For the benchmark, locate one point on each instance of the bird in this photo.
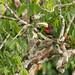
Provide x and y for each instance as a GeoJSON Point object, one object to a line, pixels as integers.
{"type": "Point", "coordinates": [49, 30]}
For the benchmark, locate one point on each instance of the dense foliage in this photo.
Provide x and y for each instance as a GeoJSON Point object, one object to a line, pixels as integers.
{"type": "Point", "coordinates": [14, 51]}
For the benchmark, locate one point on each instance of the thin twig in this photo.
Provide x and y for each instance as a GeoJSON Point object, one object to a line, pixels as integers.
{"type": "Point", "coordinates": [69, 25]}
{"type": "Point", "coordinates": [57, 5]}
{"type": "Point", "coordinates": [4, 41]}
{"type": "Point", "coordinates": [48, 10]}
{"type": "Point", "coordinates": [8, 17]}
{"type": "Point", "coordinates": [11, 11]}
{"type": "Point", "coordinates": [7, 32]}
{"type": "Point", "coordinates": [20, 20]}
{"type": "Point", "coordinates": [63, 20]}
{"type": "Point", "coordinates": [19, 33]}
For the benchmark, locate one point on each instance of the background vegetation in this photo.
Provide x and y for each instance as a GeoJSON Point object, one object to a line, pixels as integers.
{"type": "Point", "coordinates": [14, 51]}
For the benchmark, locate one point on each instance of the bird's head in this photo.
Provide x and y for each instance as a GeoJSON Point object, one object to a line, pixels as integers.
{"type": "Point", "coordinates": [48, 28]}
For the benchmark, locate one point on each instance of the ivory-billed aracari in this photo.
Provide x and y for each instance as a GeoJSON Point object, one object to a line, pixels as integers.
{"type": "Point", "coordinates": [49, 29]}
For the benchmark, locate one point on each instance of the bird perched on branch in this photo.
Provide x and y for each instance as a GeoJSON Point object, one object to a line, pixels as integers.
{"type": "Point", "coordinates": [49, 29]}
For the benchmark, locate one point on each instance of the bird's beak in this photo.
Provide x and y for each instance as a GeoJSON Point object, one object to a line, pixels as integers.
{"type": "Point", "coordinates": [43, 24]}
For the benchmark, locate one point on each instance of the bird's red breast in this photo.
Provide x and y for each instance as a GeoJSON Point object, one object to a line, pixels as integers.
{"type": "Point", "coordinates": [47, 31]}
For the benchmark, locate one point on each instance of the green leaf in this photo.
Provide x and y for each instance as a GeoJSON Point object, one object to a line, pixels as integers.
{"type": "Point", "coordinates": [72, 64]}
{"type": "Point", "coordinates": [34, 24]}
{"type": "Point", "coordinates": [21, 9]}
{"type": "Point", "coordinates": [15, 27]}
{"type": "Point", "coordinates": [37, 1]}
{"type": "Point", "coordinates": [23, 71]}
{"type": "Point", "coordinates": [3, 1]}
{"type": "Point", "coordinates": [23, 1]}
{"type": "Point", "coordinates": [18, 46]}
{"type": "Point", "coordinates": [73, 34]}
{"type": "Point", "coordinates": [56, 24]}
{"type": "Point", "coordinates": [6, 71]}
{"type": "Point", "coordinates": [1, 68]}
{"type": "Point", "coordinates": [68, 16]}
{"type": "Point", "coordinates": [10, 44]}
{"type": "Point", "coordinates": [13, 69]}
{"type": "Point", "coordinates": [26, 46]}
{"type": "Point", "coordinates": [1, 55]}
{"type": "Point", "coordinates": [44, 68]}
{"type": "Point", "coordinates": [6, 25]}
{"type": "Point", "coordinates": [49, 4]}
{"type": "Point", "coordinates": [17, 60]}
{"type": "Point", "coordinates": [30, 10]}
{"type": "Point", "coordinates": [67, 65]}
{"type": "Point", "coordinates": [11, 4]}
{"type": "Point", "coordinates": [1, 28]}
{"type": "Point", "coordinates": [30, 32]}
{"type": "Point", "coordinates": [2, 8]}
{"type": "Point", "coordinates": [10, 63]}
{"type": "Point", "coordinates": [11, 25]}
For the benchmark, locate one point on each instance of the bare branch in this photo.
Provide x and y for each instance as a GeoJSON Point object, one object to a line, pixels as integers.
{"type": "Point", "coordinates": [61, 64]}
{"type": "Point", "coordinates": [43, 50]}
{"type": "Point", "coordinates": [32, 70]}
{"type": "Point", "coordinates": [71, 53]}
{"type": "Point", "coordinates": [39, 53]}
